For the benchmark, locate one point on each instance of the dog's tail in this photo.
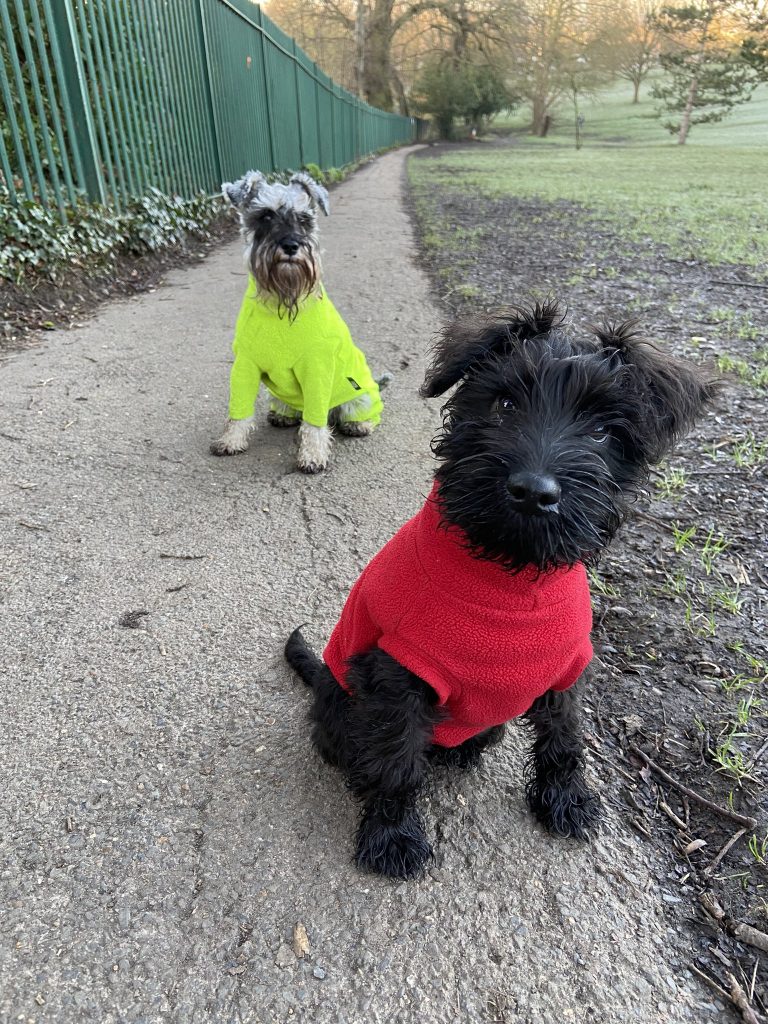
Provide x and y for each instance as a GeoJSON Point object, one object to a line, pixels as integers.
{"type": "Point", "coordinates": [303, 659]}
{"type": "Point", "coordinates": [384, 379]}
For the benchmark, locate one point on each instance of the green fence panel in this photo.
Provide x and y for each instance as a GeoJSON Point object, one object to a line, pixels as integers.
{"type": "Point", "coordinates": [239, 86]}
{"type": "Point", "coordinates": [283, 95]}
{"type": "Point", "coordinates": [307, 89]}
{"type": "Point", "coordinates": [109, 98]}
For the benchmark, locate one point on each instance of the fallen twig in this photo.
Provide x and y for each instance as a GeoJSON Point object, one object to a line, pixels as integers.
{"type": "Point", "coordinates": [758, 755]}
{"type": "Point", "coordinates": [607, 760]}
{"type": "Point", "coordinates": [181, 558]}
{"type": "Point", "coordinates": [740, 284]}
{"type": "Point", "coordinates": [672, 816]}
{"type": "Point", "coordinates": [725, 812]}
{"type": "Point", "coordinates": [33, 526]}
{"type": "Point", "coordinates": [739, 930]}
{"type": "Point", "coordinates": [737, 995]}
{"type": "Point", "coordinates": [712, 907]}
{"type": "Point", "coordinates": [752, 936]}
{"type": "Point", "coordinates": [665, 521]}
{"type": "Point", "coordinates": [640, 828]}
{"type": "Point", "coordinates": [739, 999]}
{"type": "Point", "coordinates": [710, 868]}
{"type": "Point", "coordinates": [712, 984]}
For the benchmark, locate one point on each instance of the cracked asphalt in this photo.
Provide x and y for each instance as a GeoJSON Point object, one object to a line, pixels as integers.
{"type": "Point", "coordinates": [165, 823]}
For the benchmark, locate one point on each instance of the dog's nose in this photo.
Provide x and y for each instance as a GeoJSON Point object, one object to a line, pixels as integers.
{"type": "Point", "coordinates": [289, 246]}
{"type": "Point", "coordinates": [533, 492]}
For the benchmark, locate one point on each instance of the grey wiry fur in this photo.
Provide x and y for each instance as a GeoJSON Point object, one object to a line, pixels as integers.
{"type": "Point", "coordinates": [234, 440]}
{"type": "Point", "coordinates": [279, 224]}
{"type": "Point", "coordinates": [314, 191]}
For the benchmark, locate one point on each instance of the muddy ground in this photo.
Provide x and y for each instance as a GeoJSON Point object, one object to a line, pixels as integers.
{"type": "Point", "coordinates": [681, 599]}
{"type": "Point", "coordinates": [43, 304]}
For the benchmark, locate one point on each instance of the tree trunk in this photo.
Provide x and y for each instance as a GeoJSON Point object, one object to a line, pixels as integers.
{"type": "Point", "coordinates": [402, 99]}
{"type": "Point", "coordinates": [360, 49]}
{"type": "Point", "coordinates": [636, 84]}
{"type": "Point", "coordinates": [685, 120]}
{"type": "Point", "coordinates": [539, 126]}
{"type": "Point", "coordinates": [378, 44]}
{"type": "Point", "coordinates": [460, 42]}
{"type": "Point", "coordinates": [576, 115]}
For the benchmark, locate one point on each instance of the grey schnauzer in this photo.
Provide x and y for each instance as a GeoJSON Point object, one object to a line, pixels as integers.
{"type": "Point", "coordinates": [289, 335]}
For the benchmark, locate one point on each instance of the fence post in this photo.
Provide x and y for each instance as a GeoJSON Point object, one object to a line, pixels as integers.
{"type": "Point", "coordinates": [208, 80]}
{"type": "Point", "coordinates": [76, 98]}
{"type": "Point", "coordinates": [298, 102]}
{"type": "Point", "coordinates": [318, 118]}
{"type": "Point", "coordinates": [267, 90]}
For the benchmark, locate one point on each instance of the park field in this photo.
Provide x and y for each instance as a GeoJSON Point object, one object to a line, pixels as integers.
{"type": "Point", "coordinates": [705, 200]}
{"type": "Point", "coordinates": [674, 238]}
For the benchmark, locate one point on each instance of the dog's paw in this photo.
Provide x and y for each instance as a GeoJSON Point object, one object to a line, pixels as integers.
{"type": "Point", "coordinates": [350, 429]}
{"type": "Point", "coordinates": [314, 448]}
{"type": "Point", "coordinates": [224, 447]}
{"type": "Point", "coordinates": [277, 419]}
{"type": "Point", "coordinates": [570, 810]}
{"type": "Point", "coordinates": [311, 468]}
{"type": "Point", "coordinates": [396, 851]}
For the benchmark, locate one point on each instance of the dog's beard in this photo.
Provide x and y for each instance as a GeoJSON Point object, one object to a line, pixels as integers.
{"type": "Point", "coordinates": [289, 282]}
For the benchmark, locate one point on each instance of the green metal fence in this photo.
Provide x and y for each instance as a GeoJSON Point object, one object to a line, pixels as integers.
{"type": "Point", "coordinates": [107, 98]}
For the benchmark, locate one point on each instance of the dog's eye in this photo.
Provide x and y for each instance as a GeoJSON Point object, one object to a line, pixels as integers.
{"type": "Point", "coordinates": [504, 405]}
{"type": "Point", "coordinates": [267, 216]}
{"type": "Point", "coordinates": [599, 434]}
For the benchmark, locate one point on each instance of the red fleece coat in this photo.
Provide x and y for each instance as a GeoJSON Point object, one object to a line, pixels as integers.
{"type": "Point", "coordinates": [487, 642]}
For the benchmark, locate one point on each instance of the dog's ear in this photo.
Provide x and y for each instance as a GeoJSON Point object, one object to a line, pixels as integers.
{"type": "Point", "coordinates": [316, 193]}
{"type": "Point", "coordinates": [673, 393]}
{"type": "Point", "coordinates": [467, 340]}
{"type": "Point", "coordinates": [241, 192]}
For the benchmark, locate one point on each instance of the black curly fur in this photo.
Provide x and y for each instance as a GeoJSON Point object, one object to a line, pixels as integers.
{"type": "Point", "coordinates": [592, 414]}
{"type": "Point", "coordinates": [469, 753]}
{"type": "Point", "coordinates": [379, 735]}
{"type": "Point", "coordinates": [554, 782]}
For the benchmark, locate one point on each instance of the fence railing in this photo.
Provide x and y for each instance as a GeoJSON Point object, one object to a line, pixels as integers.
{"type": "Point", "coordinates": [107, 98]}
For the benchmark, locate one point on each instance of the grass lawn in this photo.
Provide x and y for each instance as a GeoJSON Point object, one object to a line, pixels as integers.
{"type": "Point", "coordinates": [707, 199]}
{"type": "Point", "coordinates": [635, 225]}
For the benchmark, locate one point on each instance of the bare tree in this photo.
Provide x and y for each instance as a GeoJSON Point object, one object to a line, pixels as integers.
{"type": "Point", "coordinates": [638, 50]}
{"type": "Point", "coordinates": [370, 29]}
{"type": "Point", "coordinates": [549, 41]}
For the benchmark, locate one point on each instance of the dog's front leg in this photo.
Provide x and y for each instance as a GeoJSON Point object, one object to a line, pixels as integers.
{"type": "Point", "coordinates": [392, 717]}
{"type": "Point", "coordinates": [555, 787]}
{"type": "Point", "coordinates": [235, 437]}
{"type": "Point", "coordinates": [244, 381]}
{"type": "Point", "coordinates": [314, 448]}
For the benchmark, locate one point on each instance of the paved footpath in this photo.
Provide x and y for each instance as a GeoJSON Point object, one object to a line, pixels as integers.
{"type": "Point", "coordinates": [165, 823]}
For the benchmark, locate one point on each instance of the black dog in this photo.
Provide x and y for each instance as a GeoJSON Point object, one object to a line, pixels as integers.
{"type": "Point", "coordinates": [477, 611]}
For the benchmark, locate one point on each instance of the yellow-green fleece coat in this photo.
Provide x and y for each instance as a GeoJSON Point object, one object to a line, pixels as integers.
{"type": "Point", "coordinates": [310, 363]}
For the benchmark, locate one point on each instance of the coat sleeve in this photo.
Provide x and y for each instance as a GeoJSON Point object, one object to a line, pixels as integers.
{"type": "Point", "coordinates": [244, 383]}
